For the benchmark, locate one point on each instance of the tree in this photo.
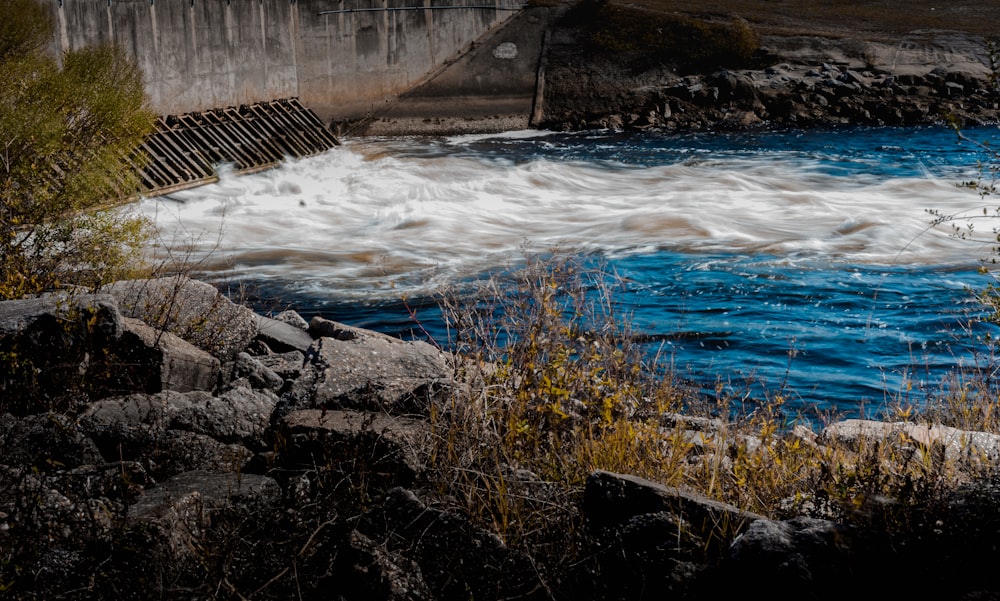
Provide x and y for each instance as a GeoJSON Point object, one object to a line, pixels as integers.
{"type": "Point", "coordinates": [68, 136]}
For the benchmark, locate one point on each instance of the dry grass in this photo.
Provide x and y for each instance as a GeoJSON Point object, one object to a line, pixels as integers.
{"type": "Point", "coordinates": [558, 389]}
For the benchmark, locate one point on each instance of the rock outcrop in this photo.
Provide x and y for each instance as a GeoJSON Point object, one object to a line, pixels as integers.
{"type": "Point", "coordinates": [285, 469]}
{"type": "Point", "coordinates": [926, 77]}
{"type": "Point", "coordinates": [156, 417]}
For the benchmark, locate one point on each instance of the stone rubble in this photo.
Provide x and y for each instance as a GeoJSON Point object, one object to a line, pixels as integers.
{"type": "Point", "coordinates": [329, 446]}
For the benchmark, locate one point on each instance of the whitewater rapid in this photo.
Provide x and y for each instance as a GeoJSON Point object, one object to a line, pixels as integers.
{"type": "Point", "coordinates": [380, 217]}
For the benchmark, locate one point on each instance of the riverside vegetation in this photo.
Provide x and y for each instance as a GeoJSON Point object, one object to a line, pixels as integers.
{"type": "Point", "coordinates": [67, 138]}
{"type": "Point", "coordinates": [160, 441]}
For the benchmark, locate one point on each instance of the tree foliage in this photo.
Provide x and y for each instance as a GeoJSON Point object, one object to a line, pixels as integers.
{"type": "Point", "coordinates": [68, 134]}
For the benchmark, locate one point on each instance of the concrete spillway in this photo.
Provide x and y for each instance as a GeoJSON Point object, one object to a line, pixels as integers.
{"type": "Point", "coordinates": [368, 66]}
{"type": "Point", "coordinates": [186, 148]}
{"type": "Point", "coordinates": [341, 61]}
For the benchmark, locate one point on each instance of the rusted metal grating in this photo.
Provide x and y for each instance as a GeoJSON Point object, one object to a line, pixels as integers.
{"type": "Point", "coordinates": [186, 149]}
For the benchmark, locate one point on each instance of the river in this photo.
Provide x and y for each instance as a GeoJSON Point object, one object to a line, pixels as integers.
{"type": "Point", "coordinates": [791, 262]}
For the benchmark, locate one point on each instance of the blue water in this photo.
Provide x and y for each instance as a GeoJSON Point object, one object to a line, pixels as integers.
{"type": "Point", "coordinates": [849, 340]}
{"type": "Point", "coordinates": [775, 263]}
{"type": "Point", "coordinates": [853, 152]}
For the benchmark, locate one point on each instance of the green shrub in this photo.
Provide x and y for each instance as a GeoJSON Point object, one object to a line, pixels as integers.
{"type": "Point", "coordinates": [67, 135]}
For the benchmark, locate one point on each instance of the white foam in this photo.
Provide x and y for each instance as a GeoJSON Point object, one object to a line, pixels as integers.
{"type": "Point", "coordinates": [365, 217]}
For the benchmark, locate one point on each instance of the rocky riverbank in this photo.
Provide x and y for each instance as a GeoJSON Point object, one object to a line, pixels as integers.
{"type": "Point", "coordinates": [678, 66]}
{"type": "Point", "coordinates": [792, 79]}
{"type": "Point", "coordinates": [159, 441]}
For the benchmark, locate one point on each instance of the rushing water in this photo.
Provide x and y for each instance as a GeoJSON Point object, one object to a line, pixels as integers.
{"type": "Point", "coordinates": [803, 261]}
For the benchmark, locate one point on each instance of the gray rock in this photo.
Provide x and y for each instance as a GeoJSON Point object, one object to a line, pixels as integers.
{"type": "Point", "coordinates": [175, 515]}
{"type": "Point", "coordinates": [656, 539]}
{"type": "Point", "coordinates": [327, 328]}
{"type": "Point", "coordinates": [238, 416]}
{"type": "Point", "coordinates": [280, 336]}
{"type": "Point", "coordinates": [57, 351]}
{"type": "Point", "coordinates": [373, 572]}
{"type": "Point", "coordinates": [394, 448]}
{"type": "Point", "coordinates": [366, 370]}
{"type": "Point", "coordinates": [82, 344]}
{"type": "Point", "coordinates": [157, 360]}
{"type": "Point", "coordinates": [734, 87]}
{"type": "Point", "coordinates": [966, 448]}
{"type": "Point", "coordinates": [45, 508]}
{"type": "Point", "coordinates": [256, 373]}
{"type": "Point", "coordinates": [805, 554]}
{"type": "Point", "coordinates": [16, 316]}
{"type": "Point", "coordinates": [286, 365]}
{"type": "Point", "coordinates": [688, 422]}
{"type": "Point", "coordinates": [612, 499]}
{"type": "Point", "coordinates": [292, 318]}
{"type": "Point", "coordinates": [178, 451]}
{"type": "Point", "coordinates": [62, 508]}
{"type": "Point", "coordinates": [652, 555]}
{"type": "Point", "coordinates": [458, 560]}
{"type": "Point", "coordinates": [45, 442]}
{"type": "Point", "coordinates": [851, 76]}
{"type": "Point", "coordinates": [951, 88]}
{"type": "Point", "coordinates": [192, 310]}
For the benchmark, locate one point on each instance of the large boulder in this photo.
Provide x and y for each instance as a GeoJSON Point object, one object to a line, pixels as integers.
{"type": "Point", "coordinates": [611, 500]}
{"type": "Point", "coordinates": [380, 449]}
{"type": "Point", "coordinates": [367, 571]}
{"type": "Point", "coordinates": [56, 346]}
{"type": "Point", "coordinates": [56, 522]}
{"type": "Point", "coordinates": [56, 350]}
{"type": "Point", "coordinates": [172, 519]}
{"type": "Point", "coordinates": [155, 360]}
{"type": "Point", "coordinates": [45, 442]}
{"type": "Point", "coordinates": [59, 351]}
{"type": "Point", "coordinates": [965, 448]}
{"type": "Point", "coordinates": [239, 415]}
{"type": "Point", "coordinates": [172, 432]}
{"type": "Point", "coordinates": [360, 369]}
{"type": "Point", "coordinates": [808, 556]}
{"type": "Point", "coordinates": [189, 309]}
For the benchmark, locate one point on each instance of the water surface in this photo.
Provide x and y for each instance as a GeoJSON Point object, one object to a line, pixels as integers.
{"type": "Point", "coordinates": [804, 263]}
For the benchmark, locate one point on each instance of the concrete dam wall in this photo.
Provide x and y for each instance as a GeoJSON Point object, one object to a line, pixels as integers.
{"type": "Point", "coordinates": [344, 59]}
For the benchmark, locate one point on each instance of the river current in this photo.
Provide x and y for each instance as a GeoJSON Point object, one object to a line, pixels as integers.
{"type": "Point", "coordinates": [799, 263]}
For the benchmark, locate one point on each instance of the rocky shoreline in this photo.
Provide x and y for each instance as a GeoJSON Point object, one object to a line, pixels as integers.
{"type": "Point", "coordinates": [924, 77]}
{"type": "Point", "coordinates": [159, 441]}
{"type": "Point", "coordinates": [611, 66]}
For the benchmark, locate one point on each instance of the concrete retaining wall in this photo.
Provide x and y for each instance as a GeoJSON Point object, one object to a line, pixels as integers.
{"type": "Point", "coordinates": [201, 54]}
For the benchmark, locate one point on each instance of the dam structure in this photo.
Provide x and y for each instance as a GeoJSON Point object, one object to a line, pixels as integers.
{"type": "Point", "coordinates": [395, 66]}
